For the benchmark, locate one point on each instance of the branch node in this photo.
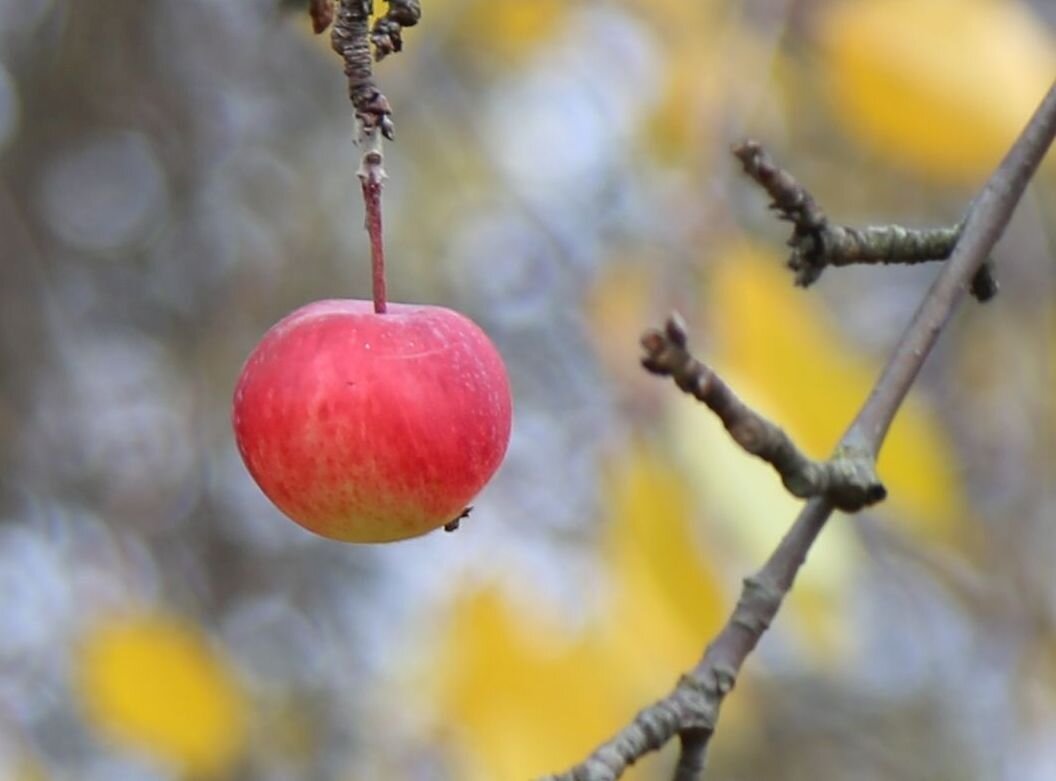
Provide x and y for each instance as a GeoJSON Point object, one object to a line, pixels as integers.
{"type": "Point", "coordinates": [351, 37]}
{"type": "Point", "coordinates": [387, 35]}
{"type": "Point", "coordinates": [984, 284]}
{"type": "Point", "coordinates": [750, 433]}
{"type": "Point", "coordinates": [850, 484]}
{"type": "Point", "coordinates": [695, 699]}
{"type": "Point", "coordinates": [725, 678]}
{"type": "Point", "coordinates": [817, 243]}
{"type": "Point", "coordinates": [757, 603]}
{"type": "Point", "coordinates": [852, 481]}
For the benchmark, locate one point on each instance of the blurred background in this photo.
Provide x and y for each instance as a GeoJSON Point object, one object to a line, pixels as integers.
{"type": "Point", "coordinates": [176, 175]}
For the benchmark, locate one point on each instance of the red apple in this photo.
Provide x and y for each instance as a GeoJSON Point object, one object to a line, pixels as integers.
{"type": "Point", "coordinates": [370, 427]}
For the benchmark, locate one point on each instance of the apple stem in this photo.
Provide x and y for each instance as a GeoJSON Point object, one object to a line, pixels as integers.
{"type": "Point", "coordinates": [371, 174]}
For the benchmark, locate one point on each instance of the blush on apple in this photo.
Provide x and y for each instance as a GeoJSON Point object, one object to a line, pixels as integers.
{"type": "Point", "coordinates": [370, 427]}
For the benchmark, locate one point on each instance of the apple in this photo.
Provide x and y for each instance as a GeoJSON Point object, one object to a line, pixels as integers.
{"type": "Point", "coordinates": [369, 427]}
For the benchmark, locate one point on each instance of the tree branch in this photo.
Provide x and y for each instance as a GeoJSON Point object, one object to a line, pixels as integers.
{"type": "Point", "coordinates": [848, 479]}
{"type": "Point", "coordinates": [350, 37]}
{"type": "Point", "coordinates": [816, 242]}
{"type": "Point", "coordinates": [986, 221]}
{"type": "Point", "coordinates": [692, 708]}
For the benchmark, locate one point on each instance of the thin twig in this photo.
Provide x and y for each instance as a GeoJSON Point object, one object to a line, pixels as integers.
{"type": "Point", "coordinates": [372, 176]}
{"type": "Point", "coordinates": [691, 709]}
{"type": "Point", "coordinates": [351, 38]}
{"type": "Point", "coordinates": [816, 242]}
{"type": "Point", "coordinates": [849, 479]}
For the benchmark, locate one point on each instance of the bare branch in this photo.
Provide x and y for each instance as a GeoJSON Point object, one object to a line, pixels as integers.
{"type": "Point", "coordinates": [387, 34]}
{"type": "Point", "coordinates": [350, 37]}
{"type": "Point", "coordinates": [849, 480]}
{"type": "Point", "coordinates": [692, 708]}
{"type": "Point", "coordinates": [816, 242]}
{"type": "Point", "coordinates": [986, 221]}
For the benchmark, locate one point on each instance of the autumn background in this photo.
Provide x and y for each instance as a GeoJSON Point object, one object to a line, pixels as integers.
{"type": "Point", "coordinates": [175, 175]}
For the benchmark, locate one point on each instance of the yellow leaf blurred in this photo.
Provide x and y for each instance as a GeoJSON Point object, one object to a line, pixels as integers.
{"type": "Point", "coordinates": [942, 86]}
{"type": "Point", "coordinates": [30, 773]}
{"type": "Point", "coordinates": [665, 588]}
{"type": "Point", "coordinates": [668, 586]}
{"type": "Point", "coordinates": [697, 97]}
{"type": "Point", "coordinates": [505, 31]}
{"type": "Point", "coordinates": [153, 682]}
{"type": "Point", "coordinates": [616, 307]}
{"type": "Point", "coordinates": [749, 510]}
{"type": "Point", "coordinates": [22, 768]}
{"type": "Point", "coordinates": [677, 17]}
{"type": "Point", "coordinates": [523, 697]}
{"type": "Point", "coordinates": [621, 300]}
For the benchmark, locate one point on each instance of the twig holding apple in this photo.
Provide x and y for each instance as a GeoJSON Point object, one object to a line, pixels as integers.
{"type": "Point", "coordinates": [371, 175]}
{"type": "Point", "coordinates": [365, 421]}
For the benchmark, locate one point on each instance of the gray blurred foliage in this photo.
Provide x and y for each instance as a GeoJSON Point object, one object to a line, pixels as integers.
{"type": "Point", "coordinates": [175, 175]}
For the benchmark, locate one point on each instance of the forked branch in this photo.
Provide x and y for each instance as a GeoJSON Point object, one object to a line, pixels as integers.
{"type": "Point", "coordinates": [847, 479]}
{"type": "Point", "coordinates": [817, 242]}
{"type": "Point", "coordinates": [691, 710]}
{"type": "Point", "coordinates": [352, 36]}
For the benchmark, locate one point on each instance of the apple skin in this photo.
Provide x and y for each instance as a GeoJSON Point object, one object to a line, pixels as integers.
{"type": "Point", "coordinates": [367, 427]}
